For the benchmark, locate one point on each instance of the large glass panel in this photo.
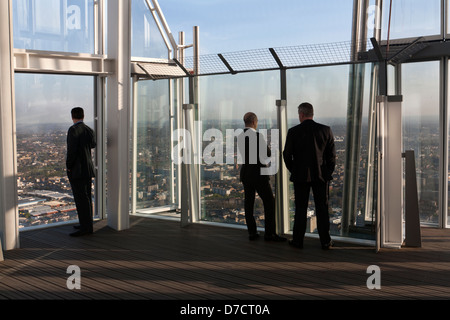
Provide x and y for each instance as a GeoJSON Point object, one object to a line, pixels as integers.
{"type": "Point", "coordinates": [223, 102]}
{"type": "Point", "coordinates": [326, 88]}
{"type": "Point", "coordinates": [146, 39]}
{"type": "Point", "coordinates": [411, 18]}
{"type": "Point", "coordinates": [43, 104]}
{"type": "Point", "coordinates": [154, 167]}
{"type": "Point", "coordinates": [448, 184]}
{"type": "Point", "coordinates": [420, 89]}
{"type": "Point", "coordinates": [54, 25]}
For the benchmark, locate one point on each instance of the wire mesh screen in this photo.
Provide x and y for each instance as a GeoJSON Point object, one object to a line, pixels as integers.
{"type": "Point", "coordinates": [266, 59]}
{"type": "Point", "coordinates": [292, 57]}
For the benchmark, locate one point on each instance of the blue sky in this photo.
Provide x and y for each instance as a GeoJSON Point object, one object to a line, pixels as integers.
{"type": "Point", "coordinates": [235, 25]}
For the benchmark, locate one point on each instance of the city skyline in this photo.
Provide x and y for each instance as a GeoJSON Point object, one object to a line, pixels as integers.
{"type": "Point", "coordinates": [41, 175]}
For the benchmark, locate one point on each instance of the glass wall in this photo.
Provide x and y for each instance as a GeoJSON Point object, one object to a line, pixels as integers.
{"type": "Point", "coordinates": [43, 105]}
{"type": "Point", "coordinates": [411, 19]}
{"type": "Point", "coordinates": [448, 141]}
{"type": "Point", "coordinates": [326, 88]}
{"type": "Point", "coordinates": [223, 101]}
{"type": "Point", "coordinates": [54, 25]}
{"type": "Point", "coordinates": [146, 39]}
{"type": "Point", "coordinates": [154, 123]}
{"type": "Point", "coordinates": [420, 89]}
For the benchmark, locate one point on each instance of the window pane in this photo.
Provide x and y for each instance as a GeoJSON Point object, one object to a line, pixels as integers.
{"type": "Point", "coordinates": [411, 18]}
{"type": "Point", "coordinates": [223, 102]}
{"type": "Point", "coordinates": [420, 90]}
{"type": "Point", "coordinates": [54, 25]}
{"type": "Point", "coordinates": [448, 185]}
{"type": "Point", "coordinates": [146, 39]}
{"type": "Point", "coordinates": [154, 172]}
{"type": "Point", "coordinates": [326, 88]}
{"type": "Point", "coordinates": [43, 104]}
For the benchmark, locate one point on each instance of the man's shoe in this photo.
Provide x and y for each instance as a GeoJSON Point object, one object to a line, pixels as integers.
{"type": "Point", "coordinates": [328, 245]}
{"type": "Point", "coordinates": [274, 237]}
{"type": "Point", "coordinates": [295, 244]}
{"type": "Point", "coordinates": [80, 233]}
{"type": "Point", "coordinates": [253, 236]}
{"type": "Point", "coordinates": [77, 226]}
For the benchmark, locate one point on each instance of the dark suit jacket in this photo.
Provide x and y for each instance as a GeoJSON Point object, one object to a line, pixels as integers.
{"type": "Point", "coordinates": [309, 152]}
{"type": "Point", "coordinates": [80, 140]}
{"type": "Point", "coordinates": [249, 144]}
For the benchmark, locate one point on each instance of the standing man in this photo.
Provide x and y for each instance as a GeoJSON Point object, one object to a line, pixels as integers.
{"type": "Point", "coordinates": [310, 156]}
{"type": "Point", "coordinates": [250, 142]}
{"type": "Point", "coordinates": [80, 169]}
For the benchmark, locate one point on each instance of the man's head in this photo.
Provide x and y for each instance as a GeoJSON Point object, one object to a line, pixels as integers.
{"type": "Point", "coordinates": [77, 114]}
{"type": "Point", "coordinates": [305, 111]}
{"type": "Point", "coordinates": [251, 120]}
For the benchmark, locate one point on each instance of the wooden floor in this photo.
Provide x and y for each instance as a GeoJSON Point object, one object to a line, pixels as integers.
{"type": "Point", "coordinates": [158, 260]}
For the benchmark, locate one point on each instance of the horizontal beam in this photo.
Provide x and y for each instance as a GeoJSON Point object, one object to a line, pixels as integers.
{"type": "Point", "coordinates": [35, 61]}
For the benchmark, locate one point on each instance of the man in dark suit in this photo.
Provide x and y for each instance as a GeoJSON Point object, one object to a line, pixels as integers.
{"type": "Point", "coordinates": [250, 142]}
{"type": "Point", "coordinates": [80, 169]}
{"type": "Point", "coordinates": [310, 156]}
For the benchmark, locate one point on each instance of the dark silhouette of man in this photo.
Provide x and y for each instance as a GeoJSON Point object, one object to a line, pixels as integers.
{"type": "Point", "coordinates": [250, 142]}
{"type": "Point", "coordinates": [80, 169]}
{"type": "Point", "coordinates": [310, 156]}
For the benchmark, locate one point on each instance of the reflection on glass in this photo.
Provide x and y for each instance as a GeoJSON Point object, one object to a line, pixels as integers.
{"type": "Point", "coordinates": [153, 146]}
{"type": "Point", "coordinates": [43, 104]}
{"type": "Point", "coordinates": [420, 88]}
{"type": "Point", "coordinates": [54, 25]}
{"type": "Point", "coordinates": [411, 18]}
{"type": "Point", "coordinates": [223, 102]}
{"type": "Point", "coordinates": [326, 88]}
{"type": "Point", "coordinates": [146, 39]}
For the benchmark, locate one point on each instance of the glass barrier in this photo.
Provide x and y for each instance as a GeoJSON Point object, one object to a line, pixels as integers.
{"type": "Point", "coordinates": [43, 105]}
{"type": "Point", "coordinates": [410, 19]}
{"type": "Point", "coordinates": [146, 39]}
{"type": "Point", "coordinates": [448, 183]}
{"type": "Point", "coordinates": [327, 89]}
{"type": "Point", "coordinates": [54, 25]}
{"type": "Point", "coordinates": [155, 183]}
{"type": "Point", "coordinates": [420, 89]}
{"type": "Point", "coordinates": [223, 101]}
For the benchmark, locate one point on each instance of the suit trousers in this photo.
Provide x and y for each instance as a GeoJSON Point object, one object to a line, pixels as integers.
{"type": "Point", "coordinates": [320, 193]}
{"type": "Point", "coordinates": [82, 194]}
{"type": "Point", "coordinates": [266, 194]}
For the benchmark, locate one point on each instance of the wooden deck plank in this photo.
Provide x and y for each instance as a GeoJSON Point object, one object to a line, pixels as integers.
{"type": "Point", "coordinates": [157, 259]}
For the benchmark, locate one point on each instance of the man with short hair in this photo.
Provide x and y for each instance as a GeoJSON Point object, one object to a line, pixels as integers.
{"type": "Point", "coordinates": [250, 142]}
{"type": "Point", "coordinates": [80, 169]}
{"type": "Point", "coordinates": [310, 156]}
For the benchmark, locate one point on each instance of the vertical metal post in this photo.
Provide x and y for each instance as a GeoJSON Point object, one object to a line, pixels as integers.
{"type": "Point", "coordinates": [197, 127]}
{"type": "Point", "coordinates": [100, 158]}
{"type": "Point", "coordinates": [9, 225]}
{"type": "Point", "coordinates": [100, 113]}
{"type": "Point", "coordinates": [134, 137]}
{"type": "Point", "coordinates": [189, 176]}
{"type": "Point", "coordinates": [354, 118]}
{"type": "Point", "coordinates": [372, 180]}
{"type": "Point", "coordinates": [282, 180]}
{"type": "Point", "coordinates": [444, 145]}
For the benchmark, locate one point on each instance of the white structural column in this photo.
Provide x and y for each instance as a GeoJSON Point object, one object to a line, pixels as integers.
{"type": "Point", "coordinates": [9, 234]}
{"type": "Point", "coordinates": [391, 171]}
{"type": "Point", "coordinates": [118, 114]}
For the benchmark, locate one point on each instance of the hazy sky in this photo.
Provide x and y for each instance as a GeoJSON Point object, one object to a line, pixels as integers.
{"type": "Point", "coordinates": [235, 25]}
